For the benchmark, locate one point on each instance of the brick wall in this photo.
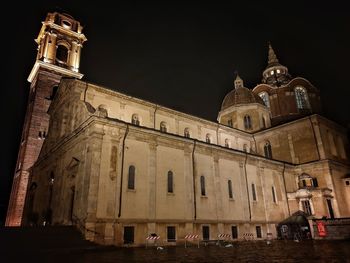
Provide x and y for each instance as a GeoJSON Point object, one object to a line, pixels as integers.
{"type": "Point", "coordinates": [338, 228]}
{"type": "Point", "coordinates": [35, 124]}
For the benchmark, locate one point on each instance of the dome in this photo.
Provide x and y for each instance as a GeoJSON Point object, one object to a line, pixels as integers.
{"type": "Point", "coordinates": [238, 96]}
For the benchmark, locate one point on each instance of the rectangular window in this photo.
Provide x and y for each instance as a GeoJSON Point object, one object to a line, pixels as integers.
{"type": "Point", "coordinates": [230, 193]}
{"type": "Point", "coordinates": [131, 177]}
{"type": "Point", "coordinates": [205, 232]}
{"type": "Point", "coordinates": [258, 232]}
{"type": "Point", "coordinates": [234, 232]}
{"type": "Point", "coordinates": [202, 185]}
{"type": "Point", "coordinates": [128, 235]}
{"type": "Point", "coordinates": [274, 194]}
{"type": "Point", "coordinates": [314, 182]}
{"type": "Point", "coordinates": [306, 207]}
{"type": "Point", "coordinates": [229, 123]}
{"type": "Point", "coordinates": [253, 192]}
{"type": "Point", "coordinates": [171, 234]}
{"type": "Point", "coordinates": [170, 182]}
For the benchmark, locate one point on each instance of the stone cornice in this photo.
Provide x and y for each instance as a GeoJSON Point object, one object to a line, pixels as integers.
{"type": "Point", "coordinates": [42, 65]}
{"type": "Point", "coordinates": [180, 115]}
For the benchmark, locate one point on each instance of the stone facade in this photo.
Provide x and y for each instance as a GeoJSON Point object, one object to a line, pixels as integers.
{"type": "Point", "coordinates": [122, 168]}
{"type": "Point", "coordinates": [93, 142]}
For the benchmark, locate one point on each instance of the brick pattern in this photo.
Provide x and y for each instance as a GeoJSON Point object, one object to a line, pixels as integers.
{"type": "Point", "coordinates": [338, 228]}
{"type": "Point", "coordinates": [36, 120]}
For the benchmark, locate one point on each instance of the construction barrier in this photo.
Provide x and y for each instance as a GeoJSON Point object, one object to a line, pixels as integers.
{"type": "Point", "coordinates": [191, 237]}
{"type": "Point", "coordinates": [224, 240]}
{"type": "Point", "coordinates": [224, 236]}
{"type": "Point", "coordinates": [248, 236]}
{"type": "Point", "coordinates": [269, 238]}
{"type": "Point", "coordinates": [152, 238]}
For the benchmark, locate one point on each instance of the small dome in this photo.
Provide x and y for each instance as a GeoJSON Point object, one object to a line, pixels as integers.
{"type": "Point", "coordinates": [240, 96]}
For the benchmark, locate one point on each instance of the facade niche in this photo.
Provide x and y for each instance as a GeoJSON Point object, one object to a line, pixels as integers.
{"type": "Point", "coordinates": [135, 120]}
{"type": "Point", "coordinates": [163, 127]}
{"type": "Point", "coordinates": [268, 150]}
{"type": "Point", "coordinates": [187, 133]}
{"type": "Point", "coordinates": [208, 138]}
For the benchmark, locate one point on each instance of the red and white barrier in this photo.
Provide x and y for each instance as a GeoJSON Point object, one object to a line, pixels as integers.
{"type": "Point", "coordinates": [191, 236]}
{"type": "Point", "coordinates": [153, 237]}
{"type": "Point", "coordinates": [224, 236]}
{"type": "Point", "coordinates": [248, 236]}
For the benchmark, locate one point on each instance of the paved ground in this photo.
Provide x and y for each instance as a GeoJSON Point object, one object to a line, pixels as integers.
{"type": "Point", "coordinates": [64, 244]}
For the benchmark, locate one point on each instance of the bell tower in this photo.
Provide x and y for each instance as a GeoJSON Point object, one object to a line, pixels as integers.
{"type": "Point", "coordinates": [60, 41]}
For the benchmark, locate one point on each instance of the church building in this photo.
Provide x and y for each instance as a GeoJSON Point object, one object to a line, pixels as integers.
{"type": "Point", "coordinates": [121, 168]}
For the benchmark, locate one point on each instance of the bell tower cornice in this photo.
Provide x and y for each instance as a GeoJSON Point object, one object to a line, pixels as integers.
{"type": "Point", "coordinates": [57, 28]}
{"type": "Point", "coordinates": [50, 67]}
{"type": "Point", "coordinates": [60, 41]}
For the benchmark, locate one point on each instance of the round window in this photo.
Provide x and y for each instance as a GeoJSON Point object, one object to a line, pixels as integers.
{"type": "Point", "coordinates": [66, 24]}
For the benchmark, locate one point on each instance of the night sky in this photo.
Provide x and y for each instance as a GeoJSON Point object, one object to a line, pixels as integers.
{"type": "Point", "coordinates": [179, 55]}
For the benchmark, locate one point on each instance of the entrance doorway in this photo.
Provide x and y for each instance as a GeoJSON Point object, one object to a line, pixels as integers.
{"type": "Point", "coordinates": [205, 232]}
{"type": "Point", "coordinates": [171, 234]}
{"type": "Point", "coordinates": [128, 235]}
{"type": "Point", "coordinates": [294, 227]}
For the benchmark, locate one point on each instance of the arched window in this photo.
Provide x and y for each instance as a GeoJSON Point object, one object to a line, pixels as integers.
{"type": "Point", "coordinates": [301, 98]}
{"type": "Point", "coordinates": [230, 193]}
{"type": "Point", "coordinates": [202, 185]}
{"type": "Point", "coordinates": [247, 122]}
{"type": "Point", "coordinates": [306, 181]}
{"type": "Point", "coordinates": [227, 143]}
{"type": "Point", "coordinates": [208, 138]}
{"type": "Point", "coordinates": [265, 97]}
{"type": "Point", "coordinates": [131, 177]}
{"type": "Point", "coordinates": [170, 182]}
{"type": "Point", "coordinates": [187, 133]}
{"type": "Point", "coordinates": [62, 54]}
{"type": "Point", "coordinates": [135, 119]}
{"type": "Point", "coordinates": [268, 150]}
{"type": "Point", "coordinates": [163, 127]}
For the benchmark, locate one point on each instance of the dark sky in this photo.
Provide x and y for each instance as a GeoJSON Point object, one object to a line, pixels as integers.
{"type": "Point", "coordinates": [179, 55]}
